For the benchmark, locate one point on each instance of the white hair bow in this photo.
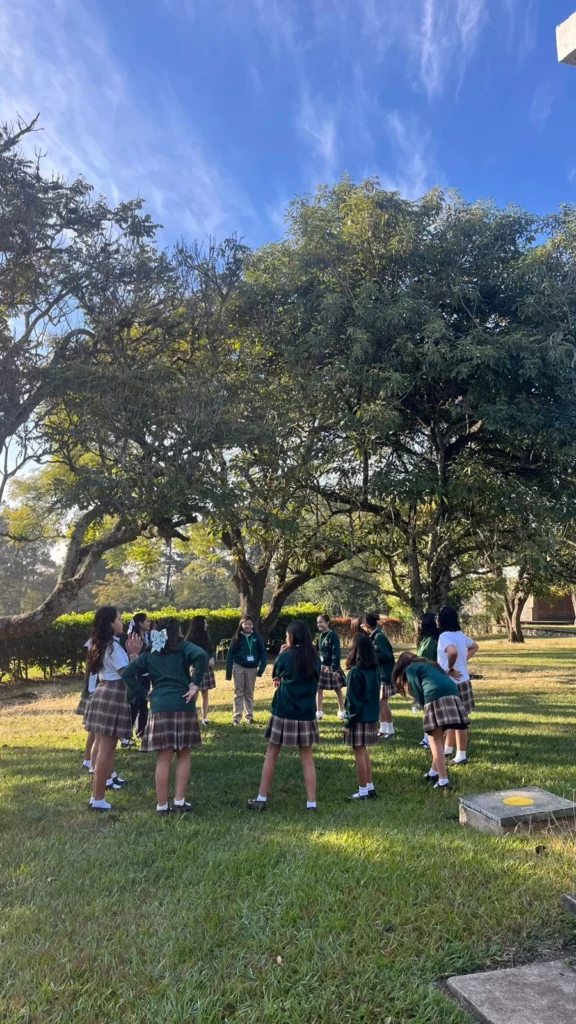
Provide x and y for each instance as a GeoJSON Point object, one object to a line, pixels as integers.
{"type": "Point", "coordinates": [132, 626]}
{"type": "Point", "coordinates": [158, 639]}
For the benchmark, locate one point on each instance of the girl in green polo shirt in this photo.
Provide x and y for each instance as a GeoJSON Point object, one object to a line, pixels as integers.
{"type": "Point", "coordinates": [293, 722]}
{"type": "Point", "coordinates": [435, 691]}
{"type": "Point", "coordinates": [362, 710]}
{"type": "Point", "coordinates": [173, 724]}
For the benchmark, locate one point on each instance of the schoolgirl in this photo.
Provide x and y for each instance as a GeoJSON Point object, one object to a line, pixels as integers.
{"type": "Point", "coordinates": [331, 675]}
{"type": "Point", "coordinates": [437, 693]}
{"type": "Point", "coordinates": [296, 673]}
{"type": "Point", "coordinates": [362, 710]}
{"type": "Point", "coordinates": [173, 724]}
{"type": "Point", "coordinates": [140, 625]}
{"type": "Point", "coordinates": [246, 660]}
{"type": "Point", "coordinates": [108, 713]}
{"type": "Point", "coordinates": [427, 639]}
{"type": "Point", "coordinates": [454, 652]}
{"type": "Point", "coordinates": [199, 635]}
{"type": "Point", "coordinates": [385, 655]}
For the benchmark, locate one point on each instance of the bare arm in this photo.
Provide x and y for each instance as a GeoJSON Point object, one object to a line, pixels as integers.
{"type": "Point", "coordinates": [452, 654]}
{"type": "Point", "coordinates": [471, 651]}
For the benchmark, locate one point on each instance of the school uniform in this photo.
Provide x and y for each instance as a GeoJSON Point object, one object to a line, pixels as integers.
{"type": "Point", "coordinates": [438, 694]}
{"type": "Point", "coordinates": [331, 675]}
{"type": "Point", "coordinates": [386, 661]}
{"type": "Point", "coordinates": [293, 719]}
{"type": "Point", "coordinates": [428, 648]}
{"type": "Point", "coordinates": [209, 679]}
{"type": "Point", "coordinates": [246, 660]}
{"type": "Point", "coordinates": [362, 706]}
{"type": "Point", "coordinates": [173, 723]}
{"type": "Point", "coordinates": [139, 707]}
{"type": "Point", "coordinates": [462, 643]}
{"type": "Point", "coordinates": [108, 712]}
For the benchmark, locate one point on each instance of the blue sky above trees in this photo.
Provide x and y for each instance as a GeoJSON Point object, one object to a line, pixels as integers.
{"type": "Point", "coordinates": [220, 111]}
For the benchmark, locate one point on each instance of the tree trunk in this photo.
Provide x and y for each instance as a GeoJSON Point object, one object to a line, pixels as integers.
{"type": "Point", "coordinates": [513, 608]}
{"type": "Point", "coordinates": [573, 599]}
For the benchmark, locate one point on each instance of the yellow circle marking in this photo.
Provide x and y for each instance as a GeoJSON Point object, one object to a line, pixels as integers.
{"type": "Point", "coordinates": [518, 801]}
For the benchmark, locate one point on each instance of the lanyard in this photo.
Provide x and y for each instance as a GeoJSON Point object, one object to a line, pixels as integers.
{"type": "Point", "coordinates": [249, 641]}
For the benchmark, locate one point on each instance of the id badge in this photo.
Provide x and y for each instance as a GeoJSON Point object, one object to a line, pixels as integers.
{"type": "Point", "coordinates": [249, 657]}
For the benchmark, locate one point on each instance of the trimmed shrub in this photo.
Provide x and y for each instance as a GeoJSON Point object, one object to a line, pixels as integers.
{"type": "Point", "coordinates": [59, 649]}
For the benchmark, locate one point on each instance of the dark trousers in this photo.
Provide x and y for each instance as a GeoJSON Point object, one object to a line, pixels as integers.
{"type": "Point", "coordinates": [139, 711]}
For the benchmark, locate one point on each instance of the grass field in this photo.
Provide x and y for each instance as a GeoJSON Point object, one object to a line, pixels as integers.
{"type": "Point", "coordinates": [355, 914]}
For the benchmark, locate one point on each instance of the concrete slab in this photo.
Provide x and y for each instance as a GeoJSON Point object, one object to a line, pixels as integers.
{"type": "Point", "coordinates": [509, 810]}
{"type": "Point", "coordinates": [569, 902]}
{"type": "Point", "coordinates": [566, 41]}
{"type": "Point", "coordinates": [543, 993]}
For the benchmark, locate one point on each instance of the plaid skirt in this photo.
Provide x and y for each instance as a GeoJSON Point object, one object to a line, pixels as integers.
{"type": "Point", "coordinates": [287, 732]}
{"type": "Point", "coordinates": [208, 680]}
{"type": "Point", "coordinates": [331, 678]}
{"type": "Point", "coordinates": [108, 710]}
{"type": "Point", "coordinates": [83, 705]}
{"type": "Point", "coordinates": [172, 730]}
{"type": "Point", "coordinates": [467, 695]}
{"type": "Point", "coordinates": [445, 713]}
{"type": "Point", "coordinates": [388, 690]}
{"type": "Point", "coordinates": [362, 734]}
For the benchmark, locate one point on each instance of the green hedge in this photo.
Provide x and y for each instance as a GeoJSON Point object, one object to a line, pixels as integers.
{"type": "Point", "coordinates": [59, 649]}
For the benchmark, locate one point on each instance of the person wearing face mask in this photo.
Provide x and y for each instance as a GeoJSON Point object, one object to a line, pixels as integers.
{"type": "Point", "coordinates": [246, 660]}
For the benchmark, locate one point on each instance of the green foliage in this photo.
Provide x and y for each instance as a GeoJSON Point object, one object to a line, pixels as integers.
{"type": "Point", "coordinates": [59, 649]}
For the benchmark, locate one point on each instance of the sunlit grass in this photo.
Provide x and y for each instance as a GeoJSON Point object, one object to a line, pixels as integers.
{"type": "Point", "coordinates": [352, 915]}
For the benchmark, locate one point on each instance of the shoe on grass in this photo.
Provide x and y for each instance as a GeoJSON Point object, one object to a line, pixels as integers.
{"type": "Point", "coordinates": [319, 715]}
{"type": "Point", "coordinates": [425, 744]}
{"type": "Point", "coordinates": [257, 805]}
{"type": "Point", "coordinates": [163, 811]}
{"type": "Point", "coordinates": [185, 808]}
{"type": "Point", "coordinates": [454, 762]}
{"type": "Point", "coordinates": [357, 796]}
{"type": "Point", "coordinates": [204, 721]}
{"type": "Point", "coordinates": [444, 786]}
{"type": "Point", "coordinates": [102, 805]}
{"type": "Point", "coordinates": [431, 776]}
{"type": "Point", "coordinates": [372, 794]}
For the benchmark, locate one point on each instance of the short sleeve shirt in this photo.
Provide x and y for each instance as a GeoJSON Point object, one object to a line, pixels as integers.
{"type": "Point", "coordinates": [462, 643]}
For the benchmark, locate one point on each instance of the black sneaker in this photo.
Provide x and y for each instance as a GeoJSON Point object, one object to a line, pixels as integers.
{"type": "Point", "coordinates": [443, 787]}
{"type": "Point", "coordinates": [185, 808]}
{"type": "Point", "coordinates": [163, 811]}
{"type": "Point", "coordinates": [429, 777]}
{"type": "Point", "coordinates": [456, 764]}
{"type": "Point", "coordinates": [257, 805]}
{"type": "Point", "coordinates": [357, 796]}
{"type": "Point", "coordinates": [372, 794]}
{"type": "Point", "coordinates": [311, 810]}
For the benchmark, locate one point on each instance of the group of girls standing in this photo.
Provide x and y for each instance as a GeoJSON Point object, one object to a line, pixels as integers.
{"type": "Point", "coordinates": [177, 668]}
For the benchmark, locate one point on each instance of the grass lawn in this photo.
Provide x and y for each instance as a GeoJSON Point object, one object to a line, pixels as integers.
{"type": "Point", "coordinates": [351, 915]}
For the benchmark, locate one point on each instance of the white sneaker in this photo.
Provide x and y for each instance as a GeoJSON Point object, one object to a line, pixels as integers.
{"type": "Point", "coordinates": [341, 715]}
{"type": "Point", "coordinates": [319, 715]}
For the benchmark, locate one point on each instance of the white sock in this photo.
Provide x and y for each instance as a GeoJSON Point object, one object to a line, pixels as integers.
{"type": "Point", "coordinates": [179, 803]}
{"type": "Point", "coordinates": [383, 728]}
{"type": "Point", "coordinates": [448, 750]}
{"type": "Point", "coordinates": [390, 729]}
{"type": "Point", "coordinates": [433, 773]}
{"type": "Point", "coordinates": [369, 786]}
{"type": "Point", "coordinates": [461, 756]}
{"type": "Point", "coordinates": [86, 764]}
{"type": "Point", "coordinates": [161, 807]}
{"type": "Point", "coordinates": [100, 803]}
{"type": "Point", "coordinates": [442, 782]}
{"type": "Point", "coordinates": [263, 799]}
{"type": "Point", "coordinates": [363, 790]}
{"type": "Point", "coordinates": [309, 803]}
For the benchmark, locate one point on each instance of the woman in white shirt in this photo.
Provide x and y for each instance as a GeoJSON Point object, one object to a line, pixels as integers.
{"type": "Point", "coordinates": [108, 714]}
{"type": "Point", "coordinates": [454, 652]}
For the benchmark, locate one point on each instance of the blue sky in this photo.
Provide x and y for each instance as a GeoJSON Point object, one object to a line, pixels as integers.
{"type": "Point", "coordinates": [220, 111]}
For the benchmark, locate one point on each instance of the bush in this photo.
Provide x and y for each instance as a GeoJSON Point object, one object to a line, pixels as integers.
{"type": "Point", "coordinates": [59, 649]}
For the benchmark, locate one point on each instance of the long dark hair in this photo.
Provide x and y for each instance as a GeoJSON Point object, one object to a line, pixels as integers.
{"type": "Point", "coordinates": [427, 627]}
{"type": "Point", "coordinates": [305, 657]}
{"type": "Point", "coordinates": [448, 621]}
{"type": "Point", "coordinates": [198, 634]}
{"type": "Point", "coordinates": [174, 632]}
{"type": "Point", "coordinates": [138, 619]}
{"type": "Point", "coordinates": [398, 673]}
{"type": "Point", "coordinates": [238, 633]}
{"type": "Point", "coordinates": [102, 636]}
{"type": "Point", "coordinates": [363, 652]}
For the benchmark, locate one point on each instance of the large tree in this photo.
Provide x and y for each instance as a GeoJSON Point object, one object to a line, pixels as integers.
{"type": "Point", "coordinates": [434, 342]}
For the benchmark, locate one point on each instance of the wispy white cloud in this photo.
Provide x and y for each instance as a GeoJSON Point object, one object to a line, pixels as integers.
{"type": "Point", "coordinates": [541, 106]}
{"type": "Point", "coordinates": [413, 165]}
{"type": "Point", "coordinates": [522, 25]}
{"type": "Point", "coordinates": [318, 127]}
{"type": "Point", "coordinates": [55, 59]}
{"type": "Point", "coordinates": [449, 32]}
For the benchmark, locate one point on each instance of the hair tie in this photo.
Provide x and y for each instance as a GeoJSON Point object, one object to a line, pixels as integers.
{"type": "Point", "coordinates": [158, 639]}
